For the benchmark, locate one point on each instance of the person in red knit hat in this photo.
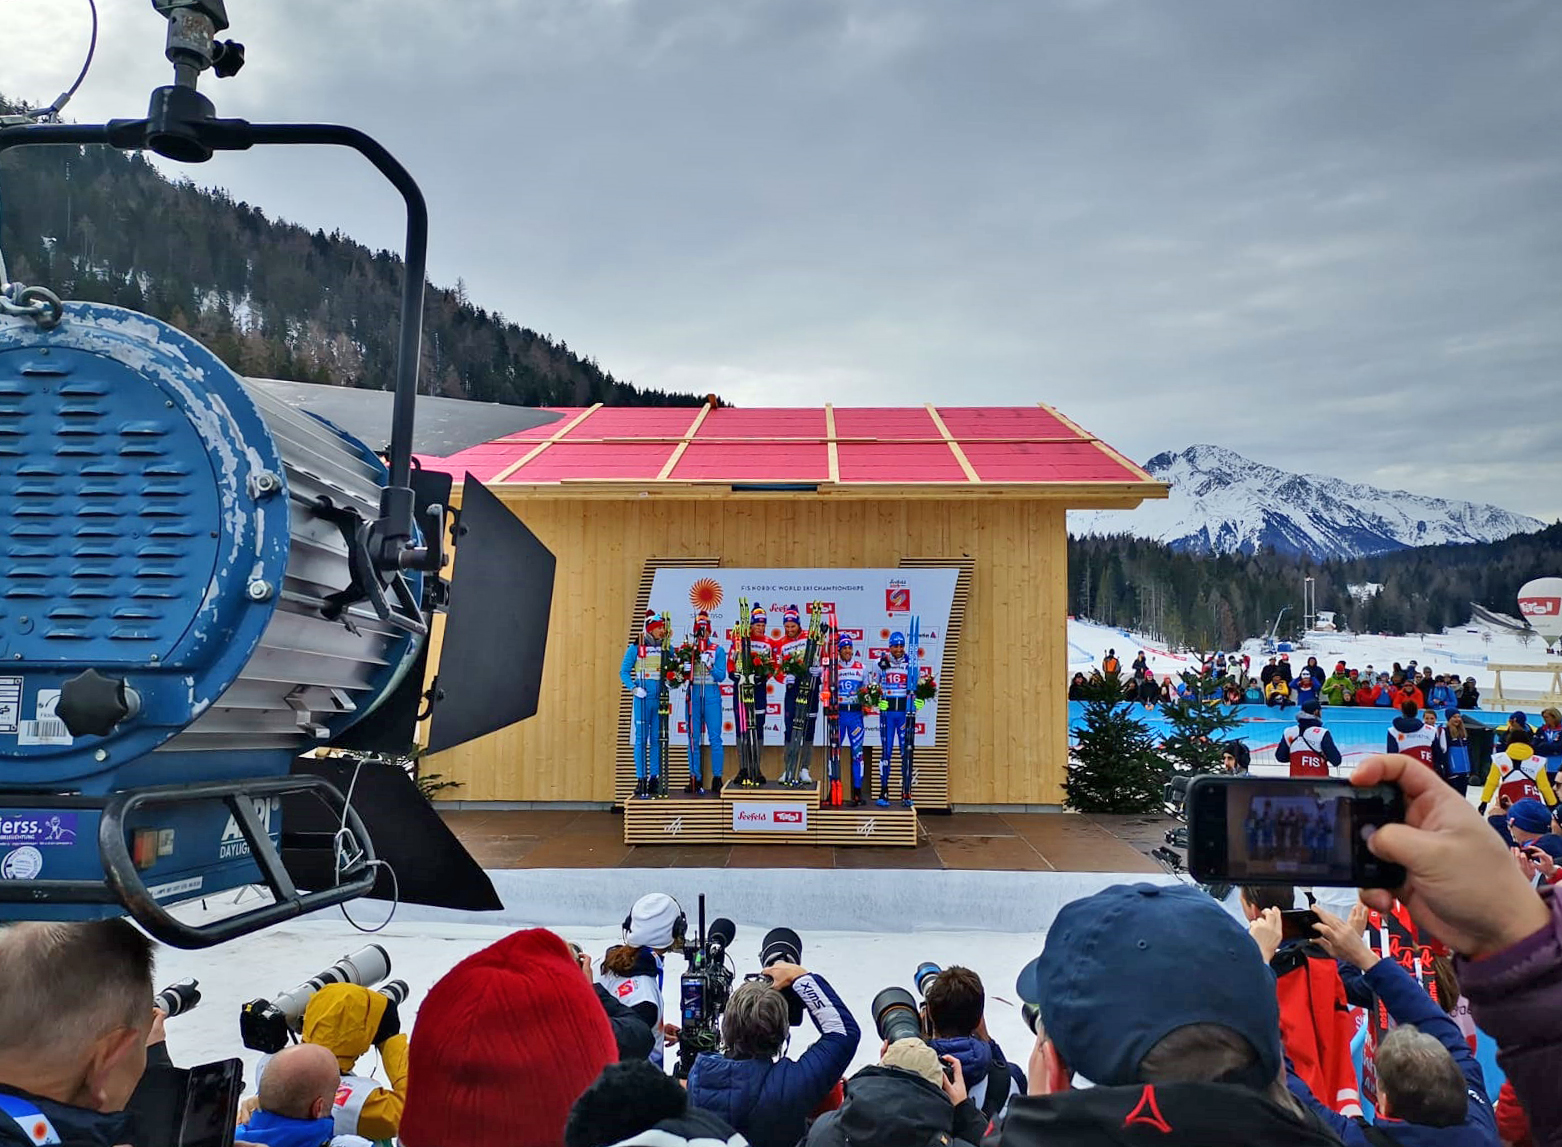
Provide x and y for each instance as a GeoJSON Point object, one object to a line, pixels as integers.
{"type": "Point", "coordinates": [504, 1044]}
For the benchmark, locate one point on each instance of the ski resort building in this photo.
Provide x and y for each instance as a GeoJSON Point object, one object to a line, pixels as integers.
{"type": "Point", "coordinates": [616, 492]}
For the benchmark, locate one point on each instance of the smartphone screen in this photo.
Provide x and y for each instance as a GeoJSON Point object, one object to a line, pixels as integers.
{"type": "Point", "coordinates": [211, 1104]}
{"type": "Point", "coordinates": [1298, 925]}
{"type": "Point", "coordinates": [1263, 830]}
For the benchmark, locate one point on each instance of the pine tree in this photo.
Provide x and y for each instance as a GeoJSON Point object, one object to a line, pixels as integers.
{"type": "Point", "coordinates": [1198, 724]}
{"type": "Point", "coordinates": [1113, 766]}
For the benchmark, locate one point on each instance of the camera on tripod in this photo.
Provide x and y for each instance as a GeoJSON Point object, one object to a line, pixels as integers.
{"type": "Point", "coordinates": [703, 990]}
{"type": "Point", "coordinates": [268, 1025]}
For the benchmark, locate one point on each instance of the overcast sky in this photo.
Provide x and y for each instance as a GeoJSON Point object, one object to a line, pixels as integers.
{"type": "Point", "coordinates": [1326, 234]}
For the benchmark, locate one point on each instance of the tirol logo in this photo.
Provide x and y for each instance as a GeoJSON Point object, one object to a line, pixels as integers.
{"type": "Point", "coordinates": [897, 598]}
{"type": "Point", "coordinates": [854, 634]}
{"type": "Point", "coordinates": [1540, 606]}
{"type": "Point", "coordinates": [768, 816]}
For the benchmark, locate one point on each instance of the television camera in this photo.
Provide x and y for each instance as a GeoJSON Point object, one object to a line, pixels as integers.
{"type": "Point", "coordinates": [269, 1025]}
{"type": "Point", "coordinates": [204, 584]}
{"type": "Point", "coordinates": [703, 989]}
{"type": "Point", "coordinates": [1174, 800]}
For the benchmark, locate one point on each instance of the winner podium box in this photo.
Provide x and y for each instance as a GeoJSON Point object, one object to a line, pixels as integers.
{"type": "Point", "coordinates": [768, 815]}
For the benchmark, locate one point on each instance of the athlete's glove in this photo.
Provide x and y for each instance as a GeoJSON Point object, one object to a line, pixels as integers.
{"type": "Point", "coordinates": [884, 705]}
{"type": "Point", "coordinates": [686, 667]}
{"type": "Point", "coordinates": [816, 671]}
{"type": "Point", "coordinates": [639, 690]}
{"type": "Point", "coordinates": [883, 661]}
{"type": "Point", "coordinates": [920, 701]}
{"type": "Point", "coordinates": [709, 658]}
{"type": "Point", "coordinates": [789, 680]}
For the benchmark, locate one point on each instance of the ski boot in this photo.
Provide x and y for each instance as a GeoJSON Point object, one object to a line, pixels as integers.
{"type": "Point", "coordinates": [694, 788]}
{"type": "Point", "coordinates": [905, 800]}
{"type": "Point", "coordinates": [640, 793]}
{"type": "Point", "coordinates": [883, 801]}
{"type": "Point", "coordinates": [715, 786]}
{"type": "Point", "coordinates": [658, 789]}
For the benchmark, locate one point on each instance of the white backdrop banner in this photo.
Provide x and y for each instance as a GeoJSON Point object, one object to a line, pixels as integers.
{"type": "Point", "coordinates": [869, 604]}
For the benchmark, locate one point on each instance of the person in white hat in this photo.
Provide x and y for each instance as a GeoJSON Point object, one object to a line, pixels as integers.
{"type": "Point", "coordinates": [632, 971]}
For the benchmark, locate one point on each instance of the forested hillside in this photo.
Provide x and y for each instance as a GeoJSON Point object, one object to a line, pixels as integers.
{"type": "Point", "coordinates": [1214, 602]}
{"type": "Point", "coordinates": [274, 300]}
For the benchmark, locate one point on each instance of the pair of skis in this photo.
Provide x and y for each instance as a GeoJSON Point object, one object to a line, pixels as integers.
{"type": "Point", "coordinates": [830, 698]}
{"type": "Point", "coordinates": [751, 733]}
{"type": "Point", "coordinates": [909, 735]}
{"type": "Point", "coordinates": [664, 707]}
{"type": "Point", "coordinates": [800, 741]}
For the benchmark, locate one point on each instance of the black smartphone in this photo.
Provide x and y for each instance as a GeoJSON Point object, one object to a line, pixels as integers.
{"type": "Point", "coordinates": [1274, 830]}
{"type": "Point", "coordinates": [211, 1104]}
{"type": "Point", "coordinates": [1298, 925]}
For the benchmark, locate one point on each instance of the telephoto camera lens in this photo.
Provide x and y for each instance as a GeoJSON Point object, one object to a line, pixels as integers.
{"type": "Point", "coordinates": [926, 973]}
{"type": "Point", "coordinates": [1031, 1014]}
{"type": "Point", "coordinates": [366, 967]}
{"type": "Point", "coordinates": [895, 1015]}
{"type": "Point", "coordinates": [395, 991]}
{"type": "Point", "coordinates": [176, 999]}
{"type": "Point", "coordinates": [780, 944]}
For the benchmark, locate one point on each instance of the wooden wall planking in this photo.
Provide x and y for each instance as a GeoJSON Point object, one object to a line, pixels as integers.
{"type": "Point", "coordinates": [1008, 704]}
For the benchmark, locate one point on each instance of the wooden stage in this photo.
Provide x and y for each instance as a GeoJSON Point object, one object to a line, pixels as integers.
{"type": "Point", "coordinates": [1014, 842]}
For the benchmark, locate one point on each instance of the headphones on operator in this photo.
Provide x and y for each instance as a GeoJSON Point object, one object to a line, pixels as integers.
{"type": "Point", "coordinates": [680, 924]}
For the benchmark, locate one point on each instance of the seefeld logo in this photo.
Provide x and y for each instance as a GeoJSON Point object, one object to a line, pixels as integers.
{"type": "Point", "coordinates": [751, 816]}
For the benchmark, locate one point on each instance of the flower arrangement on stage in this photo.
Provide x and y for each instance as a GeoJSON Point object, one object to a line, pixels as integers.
{"type": "Point", "coordinates": [764, 664]}
{"type": "Point", "coordinates": [675, 675]}
{"type": "Point", "coordinates": [927, 689]}
{"type": "Point", "coordinates": [870, 695]}
{"type": "Point", "coordinates": [793, 665]}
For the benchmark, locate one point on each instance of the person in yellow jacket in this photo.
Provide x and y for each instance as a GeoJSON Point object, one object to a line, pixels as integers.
{"type": "Point", "coordinates": [1516, 775]}
{"type": "Point", "coordinates": [348, 1020]}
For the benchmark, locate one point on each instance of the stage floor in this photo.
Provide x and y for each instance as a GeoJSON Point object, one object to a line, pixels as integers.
{"type": "Point", "coordinates": [967, 841]}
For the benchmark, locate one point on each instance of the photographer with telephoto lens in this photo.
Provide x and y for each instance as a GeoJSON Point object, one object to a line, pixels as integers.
{"type": "Point", "coordinates": [912, 1095]}
{"type": "Point", "coordinates": [342, 1013]}
{"type": "Point", "coordinates": [761, 1094]}
{"type": "Point", "coordinates": [954, 1005]}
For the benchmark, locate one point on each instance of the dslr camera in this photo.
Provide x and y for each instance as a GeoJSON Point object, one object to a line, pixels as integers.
{"type": "Point", "coordinates": [896, 1015]}
{"type": "Point", "coordinates": [703, 990]}
{"type": "Point", "coordinates": [269, 1025]}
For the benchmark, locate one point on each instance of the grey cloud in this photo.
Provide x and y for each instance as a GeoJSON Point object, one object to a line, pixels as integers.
{"type": "Point", "coordinates": [1322, 234]}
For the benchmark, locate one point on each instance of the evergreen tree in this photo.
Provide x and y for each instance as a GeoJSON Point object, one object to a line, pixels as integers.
{"type": "Point", "coordinates": [1113, 766]}
{"type": "Point", "coordinates": [1199, 722]}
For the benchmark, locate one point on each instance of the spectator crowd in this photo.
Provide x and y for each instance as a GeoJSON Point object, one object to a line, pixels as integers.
{"type": "Point", "coordinates": [1158, 1017]}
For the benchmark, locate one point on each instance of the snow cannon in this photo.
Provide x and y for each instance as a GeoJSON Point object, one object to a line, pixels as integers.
{"type": "Point", "coordinates": [1540, 603]}
{"type": "Point", "coordinates": [203, 585]}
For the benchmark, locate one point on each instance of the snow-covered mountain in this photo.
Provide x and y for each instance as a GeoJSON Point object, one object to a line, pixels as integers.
{"type": "Point", "coordinates": [1223, 502]}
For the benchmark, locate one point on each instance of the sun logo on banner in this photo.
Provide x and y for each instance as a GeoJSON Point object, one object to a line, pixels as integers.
{"type": "Point", "coordinates": [705, 594]}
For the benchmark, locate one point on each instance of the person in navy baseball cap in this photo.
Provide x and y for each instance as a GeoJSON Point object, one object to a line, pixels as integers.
{"type": "Point", "coordinates": [1160, 998]}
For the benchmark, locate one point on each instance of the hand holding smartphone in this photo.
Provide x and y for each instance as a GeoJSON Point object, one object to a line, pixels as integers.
{"type": "Point", "coordinates": [1273, 830]}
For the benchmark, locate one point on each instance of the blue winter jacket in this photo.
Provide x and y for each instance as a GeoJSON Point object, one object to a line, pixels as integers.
{"type": "Point", "coordinates": [1302, 694]}
{"type": "Point", "coordinates": [1443, 697]}
{"type": "Point", "coordinates": [280, 1131]}
{"type": "Point", "coordinates": [977, 1058]}
{"type": "Point", "coordinates": [769, 1101]}
{"type": "Point", "coordinates": [26, 1120]}
{"type": "Point", "coordinates": [1408, 1003]}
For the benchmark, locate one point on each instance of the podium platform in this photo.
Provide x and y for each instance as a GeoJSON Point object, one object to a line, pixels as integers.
{"type": "Point", "coordinates": [765, 815]}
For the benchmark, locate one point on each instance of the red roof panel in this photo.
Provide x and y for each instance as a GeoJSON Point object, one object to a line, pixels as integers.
{"type": "Point", "coordinates": [1045, 462]}
{"type": "Point", "coordinates": [548, 429]}
{"type": "Point", "coordinates": [884, 422]}
{"type": "Point", "coordinates": [754, 462]}
{"type": "Point", "coordinates": [602, 461]}
{"type": "Point", "coordinates": [764, 422]}
{"type": "Point", "coordinates": [967, 423]}
{"type": "Point", "coordinates": [897, 462]}
{"type": "Point", "coordinates": [634, 422]}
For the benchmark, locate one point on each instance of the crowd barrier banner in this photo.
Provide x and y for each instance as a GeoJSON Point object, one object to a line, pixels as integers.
{"type": "Point", "coordinates": [1357, 731]}
{"type": "Point", "coordinates": [869, 605]}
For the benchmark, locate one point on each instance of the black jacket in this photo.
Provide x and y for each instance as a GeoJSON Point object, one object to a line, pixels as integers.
{"type": "Point", "coordinates": [630, 1030]}
{"type": "Point", "coordinates": [888, 1107]}
{"type": "Point", "coordinates": [1166, 1115]}
{"type": "Point", "coordinates": [694, 1128]}
{"type": "Point", "coordinates": [21, 1113]}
